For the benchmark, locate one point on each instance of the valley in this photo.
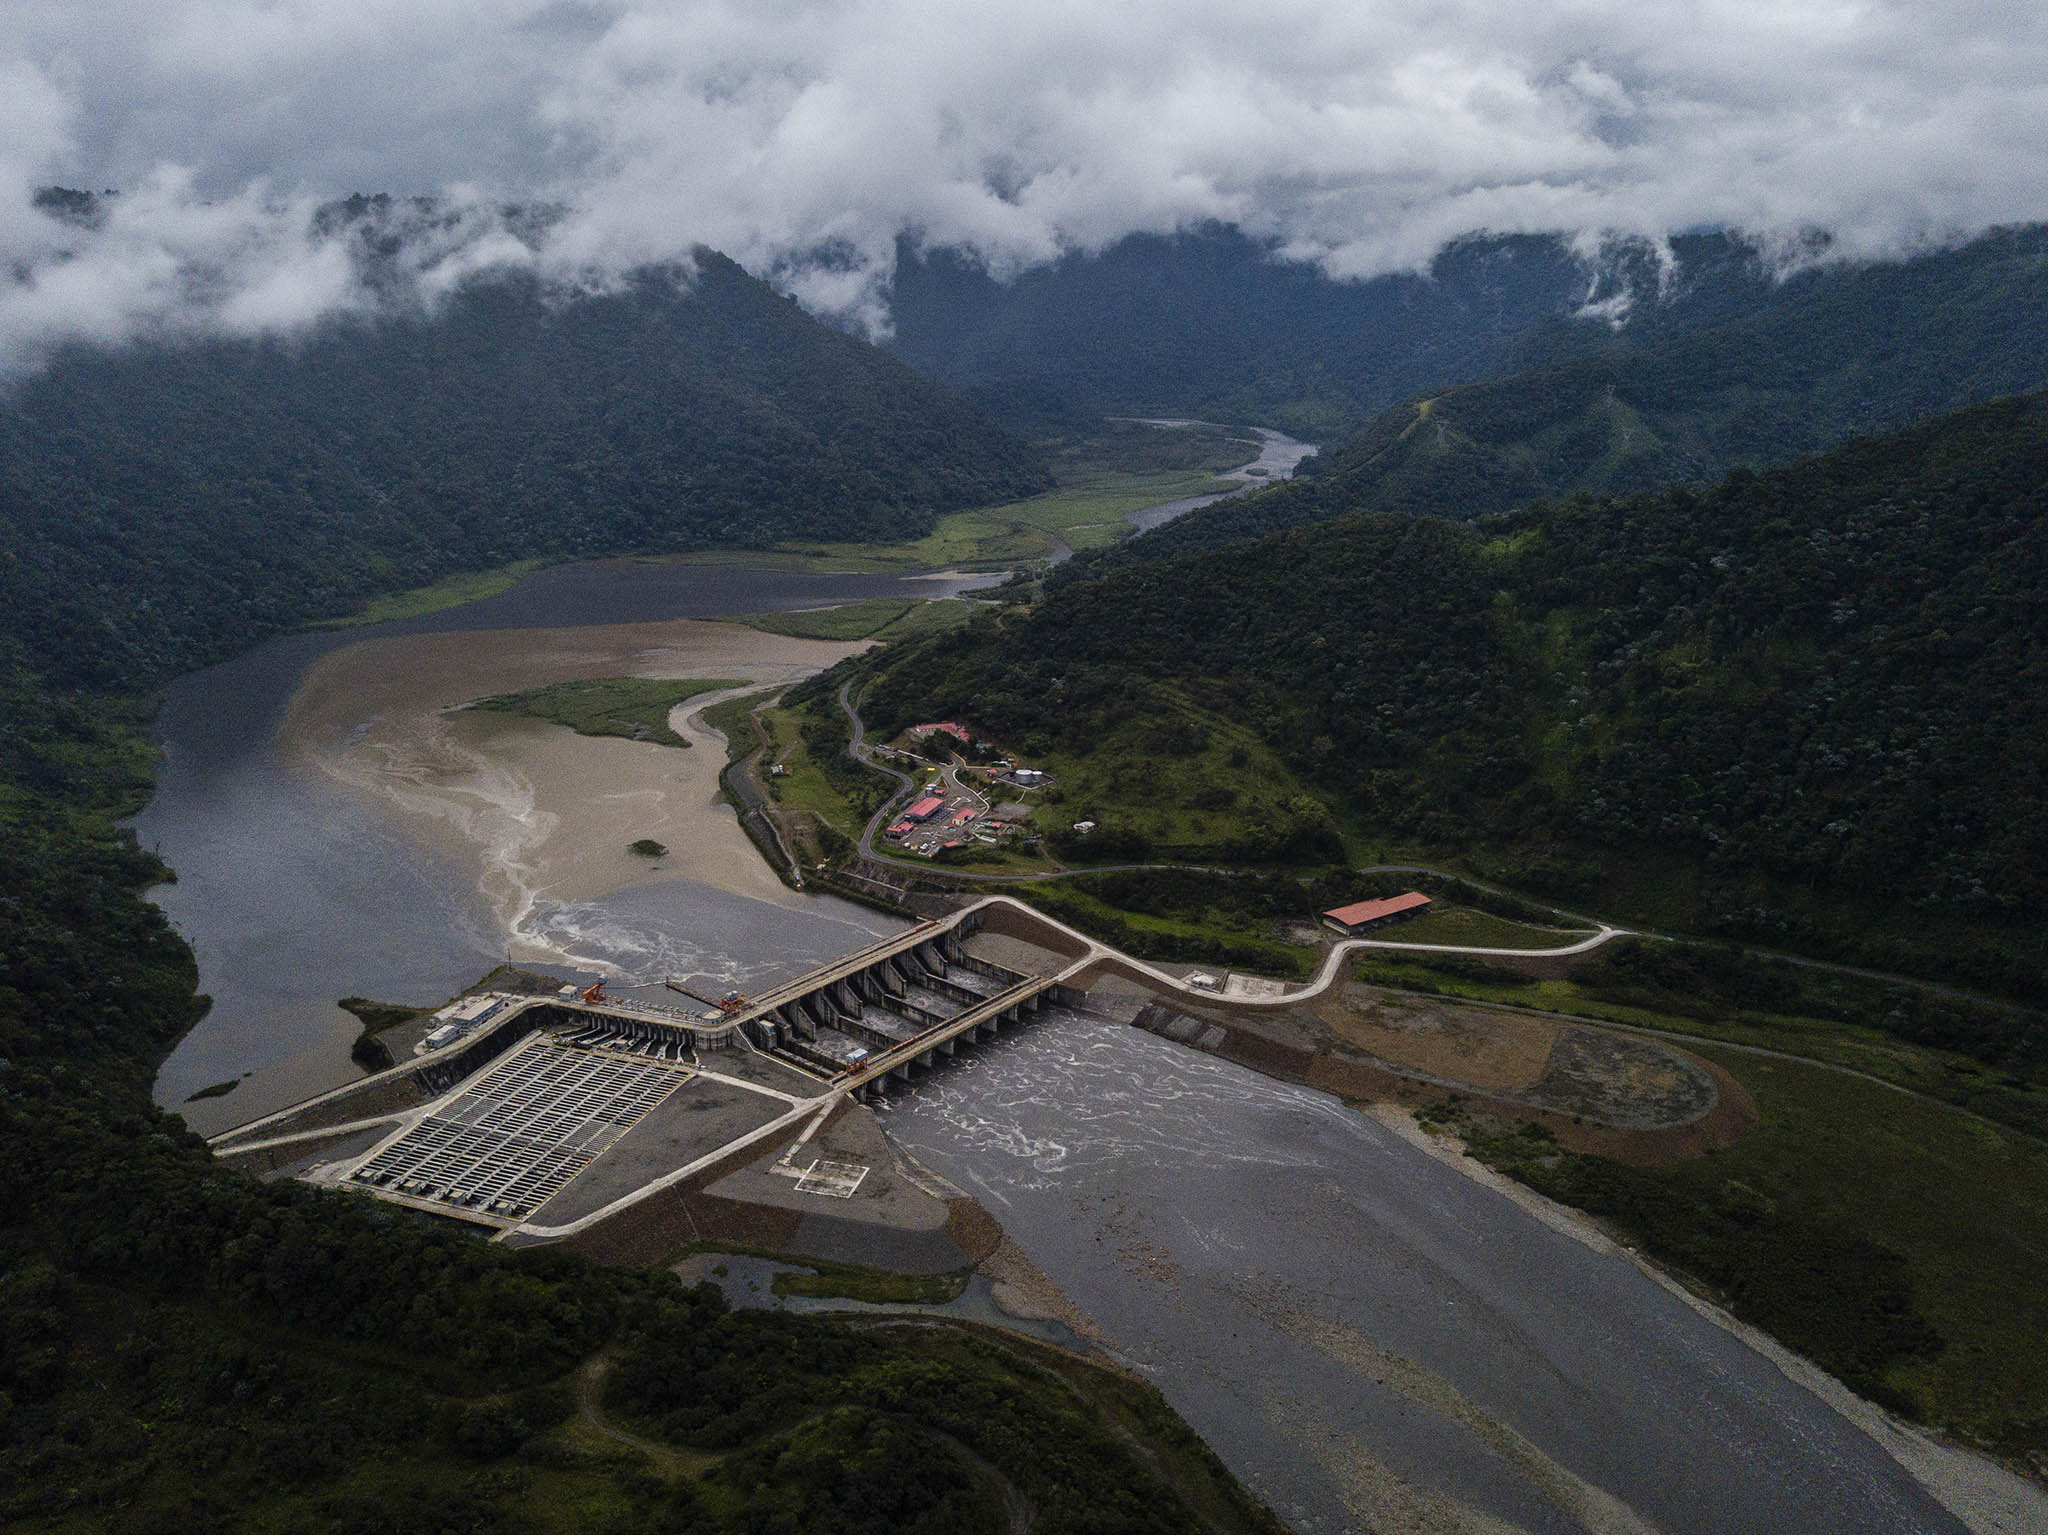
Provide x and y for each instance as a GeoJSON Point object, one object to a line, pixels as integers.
{"type": "Point", "coordinates": [624, 910]}
{"type": "Point", "coordinates": [374, 718]}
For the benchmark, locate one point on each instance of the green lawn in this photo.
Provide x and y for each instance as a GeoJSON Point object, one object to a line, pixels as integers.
{"type": "Point", "coordinates": [453, 592]}
{"type": "Point", "coordinates": [878, 618]}
{"type": "Point", "coordinates": [634, 707]}
{"type": "Point", "coordinates": [1479, 930]}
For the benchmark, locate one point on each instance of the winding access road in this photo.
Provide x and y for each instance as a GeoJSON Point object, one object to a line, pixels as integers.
{"type": "Point", "coordinates": [1603, 931]}
{"type": "Point", "coordinates": [864, 754]}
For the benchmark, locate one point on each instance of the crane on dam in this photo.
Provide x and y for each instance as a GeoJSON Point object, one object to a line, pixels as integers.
{"type": "Point", "coordinates": [731, 1003]}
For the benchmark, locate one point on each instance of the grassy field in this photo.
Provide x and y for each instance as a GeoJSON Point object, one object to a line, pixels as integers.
{"type": "Point", "coordinates": [1478, 929]}
{"type": "Point", "coordinates": [1146, 935]}
{"type": "Point", "coordinates": [1083, 515]}
{"type": "Point", "coordinates": [824, 796]}
{"type": "Point", "coordinates": [1852, 1218]}
{"type": "Point", "coordinates": [878, 618]}
{"type": "Point", "coordinates": [471, 586]}
{"type": "Point", "coordinates": [634, 707]}
{"type": "Point", "coordinates": [1101, 479]}
{"type": "Point", "coordinates": [1943, 1074]}
{"type": "Point", "coordinates": [1177, 782]}
{"type": "Point", "coordinates": [804, 784]}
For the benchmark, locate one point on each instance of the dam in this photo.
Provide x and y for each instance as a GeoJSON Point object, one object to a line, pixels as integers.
{"type": "Point", "coordinates": [560, 1111]}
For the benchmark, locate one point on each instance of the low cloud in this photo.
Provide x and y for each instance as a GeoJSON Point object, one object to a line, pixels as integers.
{"type": "Point", "coordinates": [804, 136]}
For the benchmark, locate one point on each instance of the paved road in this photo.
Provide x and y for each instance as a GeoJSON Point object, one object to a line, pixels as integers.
{"type": "Point", "coordinates": [857, 749]}
{"type": "Point", "coordinates": [1607, 930]}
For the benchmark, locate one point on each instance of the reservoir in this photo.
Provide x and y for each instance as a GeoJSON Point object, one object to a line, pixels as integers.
{"type": "Point", "coordinates": [295, 890]}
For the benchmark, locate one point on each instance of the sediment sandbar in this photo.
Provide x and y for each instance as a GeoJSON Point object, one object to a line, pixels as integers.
{"type": "Point", "coordinates": [544, 815]}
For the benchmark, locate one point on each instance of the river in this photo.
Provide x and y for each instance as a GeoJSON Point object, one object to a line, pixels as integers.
{"type": "Point", "coordinates": [1279, 456]}
{"type": "Point", "coordinates": [1370, 1339]}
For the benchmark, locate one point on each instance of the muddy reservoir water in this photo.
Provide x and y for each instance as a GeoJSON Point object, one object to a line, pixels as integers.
{"type": "Point", "coordinates": [294, 892]}
{"type": "Point", "coordinates": [1372, 1340]}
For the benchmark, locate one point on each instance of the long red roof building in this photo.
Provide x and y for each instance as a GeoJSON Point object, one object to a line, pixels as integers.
{"type": "Point", "coordinates": [1360, 915]}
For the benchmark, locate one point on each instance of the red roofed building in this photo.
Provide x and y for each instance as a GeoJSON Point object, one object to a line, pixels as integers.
{"type": "Point", "coordinates": [1360, 916]}
{"type": "Point", "coordinates": [958, 732]}
{"type": "Point", "coordinates": [925, 808]}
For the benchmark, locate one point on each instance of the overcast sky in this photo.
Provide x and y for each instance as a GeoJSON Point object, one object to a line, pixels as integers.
{"type": "Point", "coordinates": [1360, 134]}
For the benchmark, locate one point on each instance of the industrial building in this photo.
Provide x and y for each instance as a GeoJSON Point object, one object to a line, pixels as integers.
{"type": "Point", "coordinates": [1364, 916]}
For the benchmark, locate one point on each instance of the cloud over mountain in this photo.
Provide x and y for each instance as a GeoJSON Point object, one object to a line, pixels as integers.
{"type": "Point", "coordinates": [802, 136]}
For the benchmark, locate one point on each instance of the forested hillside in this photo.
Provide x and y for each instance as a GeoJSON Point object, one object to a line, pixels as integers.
{"type": "Point", "coordinates": [1210, 324]}
{"type": "Point", "coordinates": [160, 505]}
{"type": "Point", "coordinates": [1670, 400]}
{"type": "Point", "coordinates": [1808, 705]}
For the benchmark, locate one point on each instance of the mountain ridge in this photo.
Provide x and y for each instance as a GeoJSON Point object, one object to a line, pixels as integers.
{"type": "Point", "coordinates": [248, 486]}
{"type": "Point", "coordinates": [1830, 356]}
{"type": "Point", "coordinates": [1781, 694]}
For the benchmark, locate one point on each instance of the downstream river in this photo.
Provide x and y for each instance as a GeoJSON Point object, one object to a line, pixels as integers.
{"type": "Point", "coordinates": [1370, 1338]}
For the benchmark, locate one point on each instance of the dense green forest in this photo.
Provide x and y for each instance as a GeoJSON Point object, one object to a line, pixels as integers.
{"type": "Point", "coordinates": [1808, 706]}
{"type": "Point", "coordinates": [1679, 395]}
{"type": "Point", "coordinates": [162, 505]}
